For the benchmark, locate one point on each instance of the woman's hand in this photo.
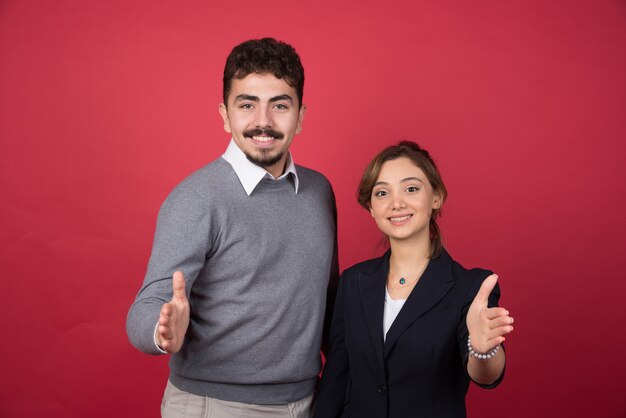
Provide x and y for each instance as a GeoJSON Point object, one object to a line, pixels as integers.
{"type": "Point", "coordinates": [487, 326]}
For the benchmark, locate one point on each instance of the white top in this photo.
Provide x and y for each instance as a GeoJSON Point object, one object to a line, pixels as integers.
{"type": "Point", "coordinates": [251, 174]}
{"type": "Point", "coordinates": [392, 309]}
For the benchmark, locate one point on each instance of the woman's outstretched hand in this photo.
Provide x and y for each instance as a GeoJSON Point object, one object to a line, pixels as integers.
{"type": "Point", "coordinates": [487, 326]}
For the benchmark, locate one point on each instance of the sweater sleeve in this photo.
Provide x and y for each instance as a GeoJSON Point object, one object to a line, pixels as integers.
{"type": "Point", "coordinates": [181, 242]}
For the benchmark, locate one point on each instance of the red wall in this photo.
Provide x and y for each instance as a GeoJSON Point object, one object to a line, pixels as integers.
{"type": "Point", "coordinates": [106, 105]}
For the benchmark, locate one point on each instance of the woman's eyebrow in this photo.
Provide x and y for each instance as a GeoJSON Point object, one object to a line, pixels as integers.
{"type": "Point", "coordinates": [411, 179]}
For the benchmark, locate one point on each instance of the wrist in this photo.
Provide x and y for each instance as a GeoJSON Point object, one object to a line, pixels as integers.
{"type": "Point", "coordinates": [472, 352]}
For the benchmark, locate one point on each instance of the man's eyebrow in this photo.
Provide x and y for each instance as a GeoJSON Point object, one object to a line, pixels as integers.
{"type": "Point", "coordinates": [247, 97]}
{"type": "Point", "coordinates": [281, 97]}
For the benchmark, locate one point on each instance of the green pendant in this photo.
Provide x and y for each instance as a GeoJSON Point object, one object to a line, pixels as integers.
{"type": "Point", "coordinates": [402, 281]}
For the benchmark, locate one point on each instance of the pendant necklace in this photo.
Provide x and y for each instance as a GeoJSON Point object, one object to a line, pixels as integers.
{"type": "Point", "coordinates": [403, 281]}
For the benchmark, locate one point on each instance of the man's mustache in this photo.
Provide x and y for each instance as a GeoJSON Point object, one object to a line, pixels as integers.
{"type": "Point", "coordinates": [263, 132]}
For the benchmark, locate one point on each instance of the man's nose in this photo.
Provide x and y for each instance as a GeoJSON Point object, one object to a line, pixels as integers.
{"type": "Point", "coordinates": [263, 116]}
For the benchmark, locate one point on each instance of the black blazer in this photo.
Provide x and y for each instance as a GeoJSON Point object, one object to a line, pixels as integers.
{"type": "Point", "coordinates": [420, 370]}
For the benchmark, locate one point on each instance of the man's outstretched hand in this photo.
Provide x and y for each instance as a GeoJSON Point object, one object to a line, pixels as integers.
{"type": "Point", "coordinates": [174, 317]}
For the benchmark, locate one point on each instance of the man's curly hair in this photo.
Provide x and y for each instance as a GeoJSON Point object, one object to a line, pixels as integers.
{"type": "Point", "coordinates": [264, 56]}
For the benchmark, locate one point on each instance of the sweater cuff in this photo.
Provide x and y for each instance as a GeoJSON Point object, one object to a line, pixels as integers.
{"type": "Point", "coordinates": [156, 344]}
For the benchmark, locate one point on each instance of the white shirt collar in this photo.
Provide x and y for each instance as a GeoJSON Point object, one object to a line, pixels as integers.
{"type": "Point", "coordinates": [250, 174]}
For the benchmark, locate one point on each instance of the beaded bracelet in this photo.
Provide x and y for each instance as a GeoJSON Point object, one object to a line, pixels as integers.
{"type": "Point", "coordinates": [481, 356]}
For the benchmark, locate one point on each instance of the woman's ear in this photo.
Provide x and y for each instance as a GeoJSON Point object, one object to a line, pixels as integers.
{"type": "Point", "coordinates": [437, 201]}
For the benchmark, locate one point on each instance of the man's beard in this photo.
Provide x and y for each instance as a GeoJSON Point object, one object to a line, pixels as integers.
{"type": "Point", "coordinates": [265, 158]}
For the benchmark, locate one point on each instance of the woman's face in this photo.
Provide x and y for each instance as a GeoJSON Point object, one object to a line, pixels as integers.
{"type": "Point", "coordinates": [402, 201]}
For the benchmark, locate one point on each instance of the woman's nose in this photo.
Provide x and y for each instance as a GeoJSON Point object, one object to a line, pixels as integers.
{"type": "Point", "coordinates": [398, 202]}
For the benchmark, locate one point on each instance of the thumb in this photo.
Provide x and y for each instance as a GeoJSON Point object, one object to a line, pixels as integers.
{"type": "Point", "coordinates": [179, 286]}
{"type": "Point", "coordinates": [485, 289]}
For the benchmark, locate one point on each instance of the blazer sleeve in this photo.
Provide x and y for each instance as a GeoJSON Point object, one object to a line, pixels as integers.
{"type": "Point", "coordinates": [331, 396]}
{"type": "Point", "coordinates": [333, 283]}
{"type": "Point", "coordinates": [463, 332]}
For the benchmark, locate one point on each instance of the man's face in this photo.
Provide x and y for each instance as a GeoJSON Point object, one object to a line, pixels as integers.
{"type": "Point", "coordinates": [263, 116]}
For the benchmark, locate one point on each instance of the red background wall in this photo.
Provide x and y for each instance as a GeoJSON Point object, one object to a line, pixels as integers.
{"type": "Point", "coordinates": [105, 106]}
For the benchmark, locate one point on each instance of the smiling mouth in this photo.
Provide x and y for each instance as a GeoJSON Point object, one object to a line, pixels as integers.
{"type": "Point", "coordinates": [263, 135]}
{"type": "Point", "coordinates": [263, 138]}
{"type": "Point", "coordinates": [400, 219]}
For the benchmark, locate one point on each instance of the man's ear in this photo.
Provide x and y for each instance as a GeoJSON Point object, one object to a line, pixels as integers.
{"type": "Point", "coordinates": [300, 118]}
{"type": "Point", "coordinates": [224, 113]}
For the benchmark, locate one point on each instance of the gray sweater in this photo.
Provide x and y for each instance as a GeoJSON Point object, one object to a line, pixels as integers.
{"type": "Point", "coordinates": [257, 269]}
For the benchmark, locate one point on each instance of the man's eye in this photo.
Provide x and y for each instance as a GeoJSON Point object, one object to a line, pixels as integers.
{"type": "Point", "coordinates": [281, 106]}
{"type": "Point", "coordinates": [246, 106]}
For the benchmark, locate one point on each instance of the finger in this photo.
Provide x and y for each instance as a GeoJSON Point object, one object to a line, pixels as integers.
{"type": "Point", "coordinates": [485, 289]}
{"type": "Point", "coordinates": [165, 332]}
{"type": "Point", "coordinates": [178, 284]}
{"type": "Point", "coordinates": [496, 312]}
{"type": "Point", "coordinates": [167, 345]}
{"type": "Point", "coordinates": [167, 310]}
{"type": "Point", "coordinates": [500, 321]}
{"type": "Point", "coordinates": [498, 332]}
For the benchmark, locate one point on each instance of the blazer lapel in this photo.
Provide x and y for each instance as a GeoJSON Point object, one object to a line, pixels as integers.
{"type": "Point", "coordinates": [435, 282]}
{"type": "Point", "coordinates": [372, 291]}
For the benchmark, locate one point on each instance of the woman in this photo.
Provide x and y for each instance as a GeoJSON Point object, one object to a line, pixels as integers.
{"type": "Point", "coordinates": [412, 328]}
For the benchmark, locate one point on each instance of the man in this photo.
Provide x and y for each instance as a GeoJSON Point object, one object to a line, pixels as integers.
{"type": "Point", "coordinates": [243, 252]}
